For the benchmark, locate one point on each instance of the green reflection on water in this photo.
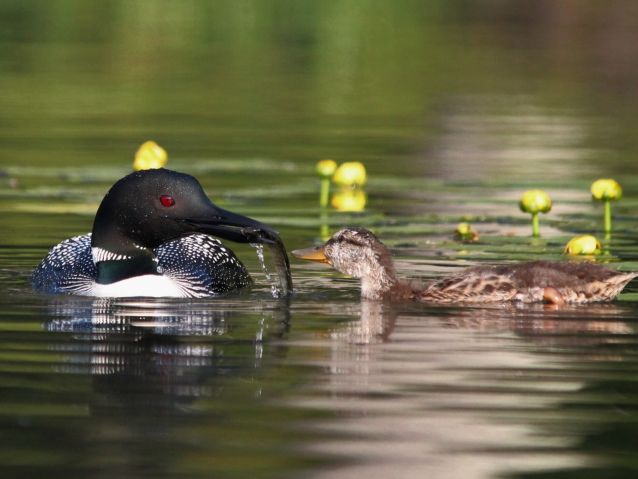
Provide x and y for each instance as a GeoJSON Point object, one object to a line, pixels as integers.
{"type": "Point", "coordinates": [454, 108]}
{"type": "Point", "coordinates": [383, 82]}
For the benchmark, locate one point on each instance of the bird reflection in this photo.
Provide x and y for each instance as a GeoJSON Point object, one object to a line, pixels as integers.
{"type": "Point", "coordinates": [377, 320]}
{"type": "Point", "coordinates": [360, 346]}
{"type": "Point", "coordinates": [461, 387]}
{"type": "Point", "coordinates": [152, 357]}
{"type": "Point", "coordinates": [375, 324]}
{"type": "Point", "coordinates": [544, 321]}
{"type": "Point", "coordinates": [109, 315]}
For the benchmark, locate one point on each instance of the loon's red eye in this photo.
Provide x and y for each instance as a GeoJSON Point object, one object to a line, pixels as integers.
{"type": "Point", "coordinates": [167, 200]}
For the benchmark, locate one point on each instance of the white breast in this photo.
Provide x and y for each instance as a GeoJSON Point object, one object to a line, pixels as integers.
{"type": "Point", "coordinates": [148, 285]}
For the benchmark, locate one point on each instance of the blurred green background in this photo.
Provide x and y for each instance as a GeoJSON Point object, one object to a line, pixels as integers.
{"type": "Point", "coordinates": [440, 88]}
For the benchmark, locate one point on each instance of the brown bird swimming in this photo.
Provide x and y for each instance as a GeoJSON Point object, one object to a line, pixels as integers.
{"type": "Point", "coordinates": [360, 254]}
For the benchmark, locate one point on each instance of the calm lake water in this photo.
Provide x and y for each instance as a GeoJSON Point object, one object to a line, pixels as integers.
{"type": "Point", "coordinates": [455, 109]}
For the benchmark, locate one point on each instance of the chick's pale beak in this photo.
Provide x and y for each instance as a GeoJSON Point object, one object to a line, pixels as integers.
{"type": "Point", "coordinates": [314, 253]}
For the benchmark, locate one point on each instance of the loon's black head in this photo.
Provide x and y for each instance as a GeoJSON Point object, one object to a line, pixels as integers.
{"type": "Point", "coordinates": [149, 207]}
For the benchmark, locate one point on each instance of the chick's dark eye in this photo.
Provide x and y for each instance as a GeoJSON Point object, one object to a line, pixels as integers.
{"type": "Point", "coordinates": [167, 201]}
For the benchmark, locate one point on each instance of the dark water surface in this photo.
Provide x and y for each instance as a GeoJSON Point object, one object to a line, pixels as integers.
{"type": "Point", "coordinates": [454, 108]}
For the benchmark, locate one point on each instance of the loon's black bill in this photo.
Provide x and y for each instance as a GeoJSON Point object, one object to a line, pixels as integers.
{"type": "Point", "coordinates": [242, 229]}
{"type": "Point", "coordinates": [314, 253]}
{"type": "Point", "coordinates": [234, 227]}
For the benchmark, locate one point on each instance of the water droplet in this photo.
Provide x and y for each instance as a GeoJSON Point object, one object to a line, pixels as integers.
{"type": "Point", "coordinates": [259, 249]}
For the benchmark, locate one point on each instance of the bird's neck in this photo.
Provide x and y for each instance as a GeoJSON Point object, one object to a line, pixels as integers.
{"type": "Point", "coordinates": [118, 259]}
{"type": "Point", "coordinates": [113, 271]}
{"type": "Point", "coordinates": [381, 282]}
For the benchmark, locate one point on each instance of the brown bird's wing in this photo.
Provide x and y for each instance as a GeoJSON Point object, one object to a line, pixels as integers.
{"type": "Point", "coordinates": [577, 282]}
{"type": "Point", "coordinates": [476, 285]}
{"type": "Point", "coordinates": [528, 282]}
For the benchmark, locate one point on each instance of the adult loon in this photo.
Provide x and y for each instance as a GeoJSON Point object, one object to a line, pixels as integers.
{"type": "Point", "coordinates": [151, 238]}
{"type": "Point", "coordinates": [359, 253]}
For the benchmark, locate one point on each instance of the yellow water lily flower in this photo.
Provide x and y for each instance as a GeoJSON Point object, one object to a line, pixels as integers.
{"type": "Point", "coordinates": [464, 232]}
{"type": "Point", "coordinates": [584, 244]}
{"type": "Point", "coordinates": [349, 199]}
{"type": "Point", "coordinates": [150, 156]}
{"type": "Point", "coordinates": [350, 173]}
{"type": "Point", "coordinates": [326, 168]}
{"type": "Point", "coordinates": [606, 189]}
{"type": "Point", "coordinates": [535, 202]}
